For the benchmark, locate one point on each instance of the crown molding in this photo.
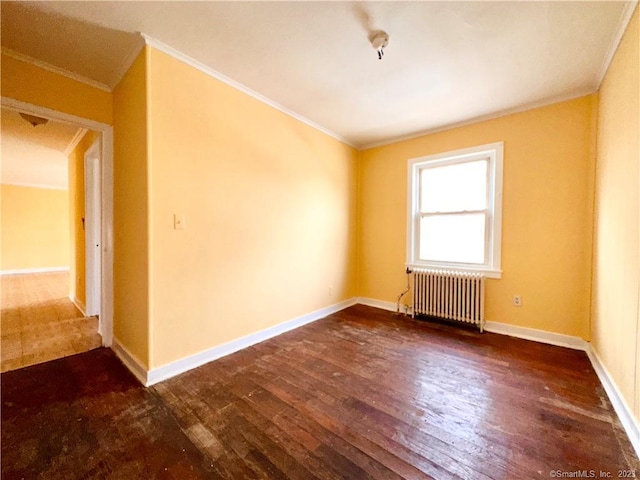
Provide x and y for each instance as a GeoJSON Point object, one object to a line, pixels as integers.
{"type": "Point", "coordinates": [152, 42]}
{"type": "Point", "coordinates": [625, 18]}
{"type": "Point", "coordinates": [53, 69]}
{"type": "Point", "coordinates": [26, 271]}
{"type": "Point", "coordinates": [77, 138]}
{"type": "Point", "coordinates": [483, 118]}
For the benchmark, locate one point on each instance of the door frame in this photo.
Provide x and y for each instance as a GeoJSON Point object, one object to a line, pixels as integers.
{"type": "Point", "coordinates": [105, 323]}
{"type": "Point", "coordinates": [92, 215]}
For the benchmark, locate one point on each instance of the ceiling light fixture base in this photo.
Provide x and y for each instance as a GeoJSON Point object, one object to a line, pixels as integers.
{"type": "Point", "coordinates": [379, 40]}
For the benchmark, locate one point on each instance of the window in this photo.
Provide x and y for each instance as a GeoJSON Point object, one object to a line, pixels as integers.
{"type": "Point", "coordinates": [454, 210]}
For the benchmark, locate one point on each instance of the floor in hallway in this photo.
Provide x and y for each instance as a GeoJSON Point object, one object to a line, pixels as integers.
{"type": "Point", "coordinates": [39, 322]}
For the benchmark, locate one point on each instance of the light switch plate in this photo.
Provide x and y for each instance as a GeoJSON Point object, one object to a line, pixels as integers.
{"type": "Point", "coordinates": [178, 222]}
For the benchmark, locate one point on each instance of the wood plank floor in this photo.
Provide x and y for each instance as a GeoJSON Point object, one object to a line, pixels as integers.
{"type": "Point", "coordinates": [361, 394]}
{"type": "Point", "coordinates": [38, 321]}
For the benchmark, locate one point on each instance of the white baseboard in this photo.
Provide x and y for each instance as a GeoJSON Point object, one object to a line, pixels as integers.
{"type": "Point", "coordinates": [79, 305]}
{"type": "Point", "coordinates": [541, 336]}
{"type": "Point", "coordinates": [22, 271]}
{"type": "Point", "coordinates": [372, 302]}
{"type": "Point", "coordinates": [622, 408]}
{"type": "Point", "coordinates": [172, 369]}
{"type": "Point", "coordinates": [130, 361]}
{"type": "Point", "coordinates": [502, 328]}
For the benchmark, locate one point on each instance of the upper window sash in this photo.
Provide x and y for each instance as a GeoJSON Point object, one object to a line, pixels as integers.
{"type": "Point", "coordinates": [467, 189]}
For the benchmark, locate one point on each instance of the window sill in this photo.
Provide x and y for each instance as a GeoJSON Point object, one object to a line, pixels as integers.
{"type": "Point", "coordinates": [497, 274]}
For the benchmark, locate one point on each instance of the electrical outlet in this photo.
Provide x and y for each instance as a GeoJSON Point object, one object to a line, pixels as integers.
{"type": "Point", "coordinates": [517, 301]}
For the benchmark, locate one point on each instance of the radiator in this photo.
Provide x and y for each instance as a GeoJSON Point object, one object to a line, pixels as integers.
{"type": "Point", "coordinates": [449, 295]}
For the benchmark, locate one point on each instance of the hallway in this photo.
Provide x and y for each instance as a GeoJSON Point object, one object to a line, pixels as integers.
{"type": "Point", "coordinates": [40, 323]}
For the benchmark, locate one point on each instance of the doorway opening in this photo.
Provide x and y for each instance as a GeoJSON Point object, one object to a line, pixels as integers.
{"type": "Point", "coordinates": [51, 310]}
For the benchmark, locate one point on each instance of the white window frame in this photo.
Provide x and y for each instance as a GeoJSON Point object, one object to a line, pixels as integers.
{"type": "Point", "coordinates": [493, 153]}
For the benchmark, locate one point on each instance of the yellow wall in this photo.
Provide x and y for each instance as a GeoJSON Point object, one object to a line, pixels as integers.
{"type": "Point", "coordinates": [76, 213]}
{"type": "Point", "coordinates": [546, 218]}
{"type": "Point", "coordinates": [269, 205]}
{"type": "Point", "coordinates": [35, 227]}
{"type": "Point", "coordinates": [130, 218]}
{"type": "Point", "coordinates": [31, 84]}
{"type": "Point", "coordinates": [616, 242]}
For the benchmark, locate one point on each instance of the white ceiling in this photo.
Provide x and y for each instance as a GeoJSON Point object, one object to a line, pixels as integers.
{"type": "Point", "coordinates": [446, 63]}
{"type": "Point", "coordinates": [35, 156]}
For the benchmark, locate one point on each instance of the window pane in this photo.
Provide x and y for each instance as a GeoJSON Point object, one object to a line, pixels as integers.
{"type": "Point", "coordinates": [454, 187]}
{"type": "Point", "coordinates": [453, 238]}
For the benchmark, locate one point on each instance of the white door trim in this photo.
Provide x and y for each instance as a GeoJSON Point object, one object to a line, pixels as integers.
{"type": "Point", "coordinates": [92, 214]}
{"type": "Point", "coordinates": [106, 298]}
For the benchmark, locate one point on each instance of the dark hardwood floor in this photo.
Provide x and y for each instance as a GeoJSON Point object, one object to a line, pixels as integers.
{"type": "Point", "coordinates": [360, 394]}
